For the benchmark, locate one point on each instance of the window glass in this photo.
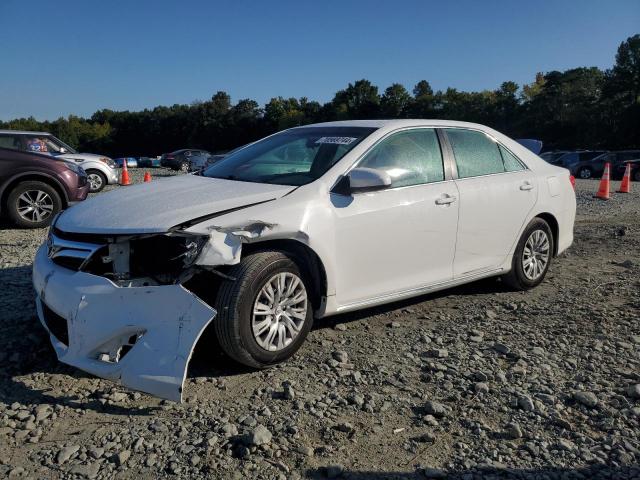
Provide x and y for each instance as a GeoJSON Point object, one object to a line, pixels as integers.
{"type": "Point", "coordinates": [292, 157]}
{"type": "Point", "coordinates": [10, 141]}
{"type": "Point", "coordinates": [411, 157]}
{"type": "Point", "coordinates": [475, 153]}
{"type": "Point", "coordinates": [511, 163]}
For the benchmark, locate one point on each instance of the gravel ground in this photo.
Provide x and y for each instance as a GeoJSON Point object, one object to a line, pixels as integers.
{"type": "Point", "coordinates": [473, 382]}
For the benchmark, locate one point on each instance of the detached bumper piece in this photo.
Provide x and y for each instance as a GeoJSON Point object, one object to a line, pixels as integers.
{"type": "Point", "coordinates": [141, 337]}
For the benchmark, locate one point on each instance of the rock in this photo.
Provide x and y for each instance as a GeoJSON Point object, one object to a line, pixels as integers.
{"type": "Point", "coordinates": [394, 325]}
{"type": "Point", "coordinates": [634, 390]}
{"type": "Point", "coordinates": [525, 403]}
{"type": "Point", "coordinates": [438, 353]}
{"type": "Point", "coordinates": [118, 397]}
{"type": "Point", "coordinates": [304, 450]}
{"type": "Point", "coordinates": [433, 473]}
{"type": "Point", "coordinates": [334, 471]}
{"type": "Point", "coordinates": [95, 452]}
{"type": "Point", "coordinates": [341, 327]}
{"type": "Point", "coordinates": [501, 348]}
{"type": "Point", "coordinates": [345, 427]}
{"type": "Point", "coordinates": [66, 453]}
{"type": "Point", "coordinates": [588, 399]}
{"type": "Point", "coordinates": [89, 470]}
{"type": "Point", "coordinates": [229, 429]}
{"type": "Point", "coordinates": [289, 393]}
{"type": "Point", "coordinates": [121, 457]}
{"type": "Point", "coordinates": [481, 387]}
{"type": "Point", "coordinates": [260, 435]}
{"type": "Point", "coordinates": [340, 356]}
{"type": "Point", "coordinates": [436, 409]}
{"type": "Point", "coordinates": [512, 431]}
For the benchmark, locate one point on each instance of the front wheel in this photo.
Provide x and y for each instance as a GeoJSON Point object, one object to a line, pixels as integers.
{"type": "Point", "coordinates": [97, 180]}
{"type": "Point", "coordinates": [532, 257]}
{"type": "Point", "coordinates": [265, 314]}
{"type": "Point", "coordinates": [33, 204]}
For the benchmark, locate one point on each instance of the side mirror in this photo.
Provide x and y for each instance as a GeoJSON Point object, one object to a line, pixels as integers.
{"type": "Point", "coordinates": [63, 150]}
{"type": "Point", "coordinates": [363, 180]}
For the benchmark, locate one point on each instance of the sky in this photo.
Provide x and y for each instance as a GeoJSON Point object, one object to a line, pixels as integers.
{"type": "Point", "coordinates": [77, 56]}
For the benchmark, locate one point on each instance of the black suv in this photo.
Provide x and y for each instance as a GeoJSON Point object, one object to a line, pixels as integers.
{"type": "Point", "coordinates": [582, 163]}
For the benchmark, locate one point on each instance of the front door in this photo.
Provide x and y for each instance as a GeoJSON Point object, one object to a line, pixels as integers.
{"type": "Point", "coordinates": [403, 237]}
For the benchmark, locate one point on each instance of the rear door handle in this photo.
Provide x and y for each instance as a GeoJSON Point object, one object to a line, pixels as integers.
{"type": "Point", "coordinates": [526, 186]}
{"type": "Point", "coordinates": [445, 199]}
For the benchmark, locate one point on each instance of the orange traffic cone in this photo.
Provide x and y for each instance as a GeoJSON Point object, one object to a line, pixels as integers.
{"type": "Point", "coordinates": [124, 178]}
{"type": "Point", "coordinates": [625, 186]}
{"type": "Point", "coordinates": [603, 191]}
{"type": "Point", "coordinates": [147, 177]}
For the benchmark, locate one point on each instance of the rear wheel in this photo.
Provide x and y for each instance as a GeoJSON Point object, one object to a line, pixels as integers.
{"type": "Point", "coordinates": [585, 172]}
{"type": "Point", "coordinates": [97, 180]}
{"type": "Point", "coordinates": [532, 257]}
{"type": "Point", "coordinates": [264, 315]}
{"type": "Point", "coordinates": [33, 204]}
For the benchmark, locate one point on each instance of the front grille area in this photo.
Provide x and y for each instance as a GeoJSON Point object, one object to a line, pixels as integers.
{"type": "Point", "coordinates": [72, 263]}
{"type": "Point", "coordinates": [56, 324]}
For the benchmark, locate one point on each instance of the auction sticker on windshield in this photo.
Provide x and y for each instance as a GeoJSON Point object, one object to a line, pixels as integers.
{"type": "Point", "coordinates": [336, 140]}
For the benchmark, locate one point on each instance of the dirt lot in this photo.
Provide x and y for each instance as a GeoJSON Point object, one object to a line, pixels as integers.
{"type": "Point", "coordinates": [474, 382]}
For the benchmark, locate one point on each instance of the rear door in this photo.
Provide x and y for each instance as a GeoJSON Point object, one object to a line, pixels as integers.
{"type": "Point", "coordinates": [496, 194]}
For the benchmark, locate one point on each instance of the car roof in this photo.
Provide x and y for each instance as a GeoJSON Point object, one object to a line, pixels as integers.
{"type": "Point", "coordinates": [396, 123]}
{"type": "Point", "coordinates": [23, 132]}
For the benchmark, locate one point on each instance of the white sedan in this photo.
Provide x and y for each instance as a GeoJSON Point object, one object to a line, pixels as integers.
{"type": "Point", "coordinates": [308, 222]}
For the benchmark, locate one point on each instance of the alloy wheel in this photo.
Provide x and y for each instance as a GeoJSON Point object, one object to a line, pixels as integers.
{"type": "Point", "coordinates": [35, 205]}
{"type": "Point", "coordinates": [95, 181]}
{"type": "Point", "coordinates": [535, 256]}
{"type": "Point", "coordinates": [279, 311]}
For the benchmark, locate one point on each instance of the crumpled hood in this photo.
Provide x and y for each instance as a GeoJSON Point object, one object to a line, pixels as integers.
{"type": "Point", "coordinates": [161, 204]}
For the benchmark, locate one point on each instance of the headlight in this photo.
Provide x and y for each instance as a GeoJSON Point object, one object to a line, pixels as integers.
{"type": "Point", "coordinates": [74, 168]}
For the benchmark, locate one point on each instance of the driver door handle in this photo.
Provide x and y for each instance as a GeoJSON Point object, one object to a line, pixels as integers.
{"type": "Point", "coordinates": [526, 186]}
{"type": "Point", "coordinates": [445, 199]}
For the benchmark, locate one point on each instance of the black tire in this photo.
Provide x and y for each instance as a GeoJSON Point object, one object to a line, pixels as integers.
{"type": "Point", "coordinates": [516, 278]}
{"type": "Point", "coordinates": [234, 305]}
{"type": "Point", "coordinates": [102, 179]}
{"type": "Point", "coordinates": [585, 173]}
{"type": "Point", "coordinates": [184, 167]}
{"type": "Point", "coordinates": [15, 202]}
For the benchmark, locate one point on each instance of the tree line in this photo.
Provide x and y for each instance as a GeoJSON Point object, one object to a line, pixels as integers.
{"type": "Point", "coordinates": [578, 108]}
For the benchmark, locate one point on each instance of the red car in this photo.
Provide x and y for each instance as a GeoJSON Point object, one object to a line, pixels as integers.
{"type": "Point", "coordinates": [35, 187]}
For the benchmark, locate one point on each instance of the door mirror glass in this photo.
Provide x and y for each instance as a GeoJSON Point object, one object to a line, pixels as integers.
{"type": "Point", "coordinates": [368, 179]}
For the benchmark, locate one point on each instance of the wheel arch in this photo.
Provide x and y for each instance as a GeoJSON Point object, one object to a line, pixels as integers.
{"type": "Point", "coordinates": [304, 256]}
{"type": "Point", "coordinates": [6, 189]}
{"type": "Point", "coordinates": [555, 228]}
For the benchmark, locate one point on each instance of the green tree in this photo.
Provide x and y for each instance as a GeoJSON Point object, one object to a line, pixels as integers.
{"type": "Point", "coordinates": [395, 101]}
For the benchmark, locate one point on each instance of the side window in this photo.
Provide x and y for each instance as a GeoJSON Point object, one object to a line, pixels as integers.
{"type": "Point", "coordinates": [476, 154]}
{"type": "Point", "coordinates": [10, 141]}
{"type": "Point", "coordinates": [411, 157]}
{"type": "Point", "coordinates": [511, 163]}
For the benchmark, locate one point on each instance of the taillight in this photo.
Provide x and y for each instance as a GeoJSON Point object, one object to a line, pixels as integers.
{"type": "Point", "coordinates": [572, 179]}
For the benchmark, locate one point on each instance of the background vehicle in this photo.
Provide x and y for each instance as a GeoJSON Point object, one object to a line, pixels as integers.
{"type": "Point", "coordinates": [100, 169]}
{"type": "Point", "coordinates": [148, 162]}
{"type": "Point", "coordinates": [35, 187]}
{"type": "Point", "coordinates": [635, 170]}
{"type": "Point", "coordinates": [131, 162]}
{"type": "Point", "coordinates": [582, 163]}
{"type": "Point", "coordinates": [186, 159]}
{"type": "Point", "coordinates": [553, 155]}
{"type": "Point", "coordinates": [618, 160]}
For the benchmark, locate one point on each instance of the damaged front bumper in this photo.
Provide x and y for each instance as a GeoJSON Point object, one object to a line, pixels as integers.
{"type": "Point", "coordinates": [141, 337]}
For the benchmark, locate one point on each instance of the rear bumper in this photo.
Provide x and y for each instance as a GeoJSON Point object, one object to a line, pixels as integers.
{"type": "Point", "coordinates": [141, 337]}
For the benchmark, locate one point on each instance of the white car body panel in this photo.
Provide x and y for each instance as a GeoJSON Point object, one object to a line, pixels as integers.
{"type": "Point", "coordinates": [373, 247]}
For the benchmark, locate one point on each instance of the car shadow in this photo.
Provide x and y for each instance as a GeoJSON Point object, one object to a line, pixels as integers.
{"type": "Point", "coordinates": [480, 287]}
{"type": "Point", "coordinates": [484, 471]}
{"type": "Point", "coordinates": [25, 348]}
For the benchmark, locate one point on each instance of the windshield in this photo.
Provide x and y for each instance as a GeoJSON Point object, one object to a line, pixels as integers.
{"type": "Point", "coordinates": [293, 157]}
